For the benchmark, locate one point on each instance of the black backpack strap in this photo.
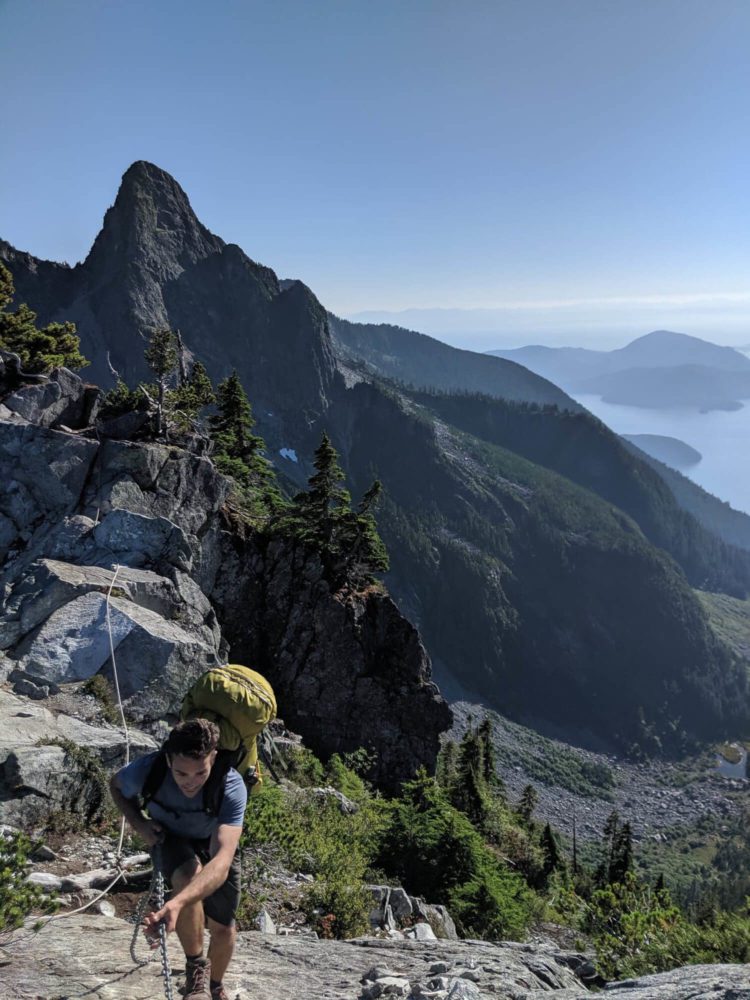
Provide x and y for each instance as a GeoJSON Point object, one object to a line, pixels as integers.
{"type": "Point", "coordinates": [154, 778]}
{"type": "Point", "coordinates": [213, 791]}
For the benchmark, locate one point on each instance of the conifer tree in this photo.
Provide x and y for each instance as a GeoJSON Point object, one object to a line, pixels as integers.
{"type": "Point", "coordinates": [161, 357]}
{"type": "Point", "coordinates": [239, 452]}
{"type": "Point", "coordinates": [447, 765]}
{"type": "Point", "coordinates": [553, 859]}
{"type": "Point", "coordinates": [233, 424]}
{"type": "Point", "coordinates": [193, 393]}
{"type": "Point", "coordinates": [489, 771]}
{"type": "Point", "coordinates": [370, 498]}
{"type": "Point", "coordinates": [622, 854]}
{"type": "Point", "coordinates": [325, 496]}
{"type": "Point", "coordinates": [470, 789]}
{"type": "Point", "coordinates": [322, 517]}
{"type": "Point", "coordinates": [40, 350]}
{"type": "Point", "coordinates": [362, 548]}
{"type": "Point", "coordinates": [610, 836]}
{"type": "Point", "coordinates": [527, 804]}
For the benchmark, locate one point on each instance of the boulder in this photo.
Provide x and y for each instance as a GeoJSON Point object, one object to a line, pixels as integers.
{"type": "Point", "coordinates": [346, 806]}
{"type": "Point", "coordinates": [48, 584]}
{"type": "Point", "coordinates": [46, 881]}
{"type": "Point", "coordinates": [40, 771]}
{"type": "Point", "coordinates": [138, 540]}
{"type": "Point", "coordinates": [24, 726]}
{"type": "Point", "coordinates": [126, 426]}
{"type": "Point", "coordinates": [156, 659]}
{"type": "Point", "coordinates": [42, 475]}
{"type": "Point", "coordinates": [421, 932]}
{"type": "Point", "coordinates": [38, 781]}
{"type": "Point", "coordinates": [437, 917]}
{"type": "Point", "coordinates": [464, 990]}
{"type": "Point", "coordinates": [394, 909]}
{"type": "Point", "coordinates": [61, 399]}
{"type": "Point", "coordinates": [388, 986]}
{"type": "Point", "coordinates": [72, 540]}
{"type": "Point", "coordinates": [264, 923]}
{"type": "Point", "coordinates": [157, 481]}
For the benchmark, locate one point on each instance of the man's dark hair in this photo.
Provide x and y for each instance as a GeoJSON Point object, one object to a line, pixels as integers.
{"type": "Point", "coordinates": [194, 738]}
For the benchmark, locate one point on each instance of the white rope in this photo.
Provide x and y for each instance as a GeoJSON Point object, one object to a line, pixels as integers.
{"type": "Point", "coordinates": [126, 731]}
{"type": "Point", "coordinates": [70, 913]}
{"type": "Point", "coordinates": [158, 877]}
{"type": "Point", "coordinates": [120, 874]}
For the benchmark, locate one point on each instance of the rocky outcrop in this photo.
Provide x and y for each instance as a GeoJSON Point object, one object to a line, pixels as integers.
{"type": "Point", "coordinates": [61, 399]}
{"type": "Point", "coordinates": [82, 519]}
{"type": "Point", "coordinates": [116, 546]}
{"type": "Point", "coordinates": [396, 912]}
{"type": "Point", "coordinates": [40, 770]}
{"type": "Point", "coordinates": [353, 670]}
{"type": "Point", "coordinates": [92, 952]}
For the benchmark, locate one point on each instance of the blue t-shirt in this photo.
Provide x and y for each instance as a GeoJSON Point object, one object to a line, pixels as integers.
{"type": "Point", "coordinates": [175, 811]}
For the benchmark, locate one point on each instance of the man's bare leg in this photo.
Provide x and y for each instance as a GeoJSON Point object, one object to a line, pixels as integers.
{"type": "Point", "coordinates": [221, 948]}
{"type": "Point", "coordinates": [190, 923]}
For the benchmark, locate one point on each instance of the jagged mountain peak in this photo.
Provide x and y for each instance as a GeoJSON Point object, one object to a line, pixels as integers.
{"type": "Point", "coordinates": [152, 222]}
{"type": "Point", "coordinates": [144, 179]}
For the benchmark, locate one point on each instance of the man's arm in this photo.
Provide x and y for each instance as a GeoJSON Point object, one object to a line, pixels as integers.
{"type": "Point", "coordinates": [209, 878]}
{"type": "Point", "coordinates": [147, 829]}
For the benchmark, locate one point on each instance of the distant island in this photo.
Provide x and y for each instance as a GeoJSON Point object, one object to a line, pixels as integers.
{"type": "Point", "coordinates": [669, 450]}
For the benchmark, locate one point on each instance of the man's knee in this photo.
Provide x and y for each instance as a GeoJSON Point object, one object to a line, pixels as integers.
{"type": "Point", "coordinates": [222, 932]}
{"type": "Point", "coordinates": [183, 875]}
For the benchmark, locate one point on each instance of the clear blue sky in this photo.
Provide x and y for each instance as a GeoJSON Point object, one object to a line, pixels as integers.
{"type": "Point", "coordinates": [407, 153]}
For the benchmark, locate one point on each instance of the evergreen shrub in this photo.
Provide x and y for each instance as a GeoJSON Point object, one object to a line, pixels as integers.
{"type": "Point", "coordinates": [17, 896]}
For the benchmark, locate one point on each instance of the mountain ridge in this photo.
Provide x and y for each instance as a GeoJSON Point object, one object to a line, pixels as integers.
{"type": "Point", "coordinates": [486, 547]}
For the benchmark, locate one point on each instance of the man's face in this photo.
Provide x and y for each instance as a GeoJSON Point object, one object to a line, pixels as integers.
{"type": "Point", "coordinates": [191, 773]}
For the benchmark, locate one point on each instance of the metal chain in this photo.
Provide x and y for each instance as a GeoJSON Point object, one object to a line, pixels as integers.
{"type": "Point", "coordinates": [165, 970]}
{"type": "Point", "coordinates": [155, 891]}
{"type": "Point", "coordinates": [140, 913]}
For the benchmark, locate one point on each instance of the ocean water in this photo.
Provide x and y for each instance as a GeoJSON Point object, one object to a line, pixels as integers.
{"type": "Point", "coordinates": [722, 438]}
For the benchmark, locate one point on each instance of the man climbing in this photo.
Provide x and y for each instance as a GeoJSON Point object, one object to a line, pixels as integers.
{"type": "Point", "coordinates": [195, 812]}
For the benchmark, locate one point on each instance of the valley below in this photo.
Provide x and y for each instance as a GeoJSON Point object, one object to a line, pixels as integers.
{"type": "Point", "coordinates": [581, 786]}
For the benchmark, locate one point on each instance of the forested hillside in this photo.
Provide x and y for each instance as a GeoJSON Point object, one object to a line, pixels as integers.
{"type": "Point", "coordinates": [583, 449]}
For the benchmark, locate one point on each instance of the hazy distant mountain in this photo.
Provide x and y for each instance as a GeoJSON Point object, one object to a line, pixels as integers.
{"type": "Point", "coordinates": [663, 348]}
{"type": "Point", "coordinates": [669, 450]}
{"type": "Point", "coordinates": [548, 569]}
{"type": "Point", "coordinates": [661, 369]}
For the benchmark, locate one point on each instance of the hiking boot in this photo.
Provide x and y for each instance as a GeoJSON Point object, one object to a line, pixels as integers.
{"type": "Point", "coordinates": [197, 979]}
{"type": "Point", "coordinates": [219, 993]}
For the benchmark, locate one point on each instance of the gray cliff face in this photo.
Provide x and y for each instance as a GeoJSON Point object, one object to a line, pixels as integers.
{"type": "Point", "coordinates": [82, 520]}
{"type": "Point", "coordinates": [155, 265]}
{"type": "Point", "coordinates": [353, 670]}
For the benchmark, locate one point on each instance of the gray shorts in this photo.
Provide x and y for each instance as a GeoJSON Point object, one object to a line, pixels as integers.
{"type": "Point", "coordinates": [222, 904]}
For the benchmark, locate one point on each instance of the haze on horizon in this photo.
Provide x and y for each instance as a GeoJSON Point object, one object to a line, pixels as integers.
{"type": "Point", "coordinates": [573, 171]}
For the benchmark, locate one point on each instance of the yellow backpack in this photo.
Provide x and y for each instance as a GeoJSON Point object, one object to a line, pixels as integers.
{"type": "Point", "coordinates": [241, 702]}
